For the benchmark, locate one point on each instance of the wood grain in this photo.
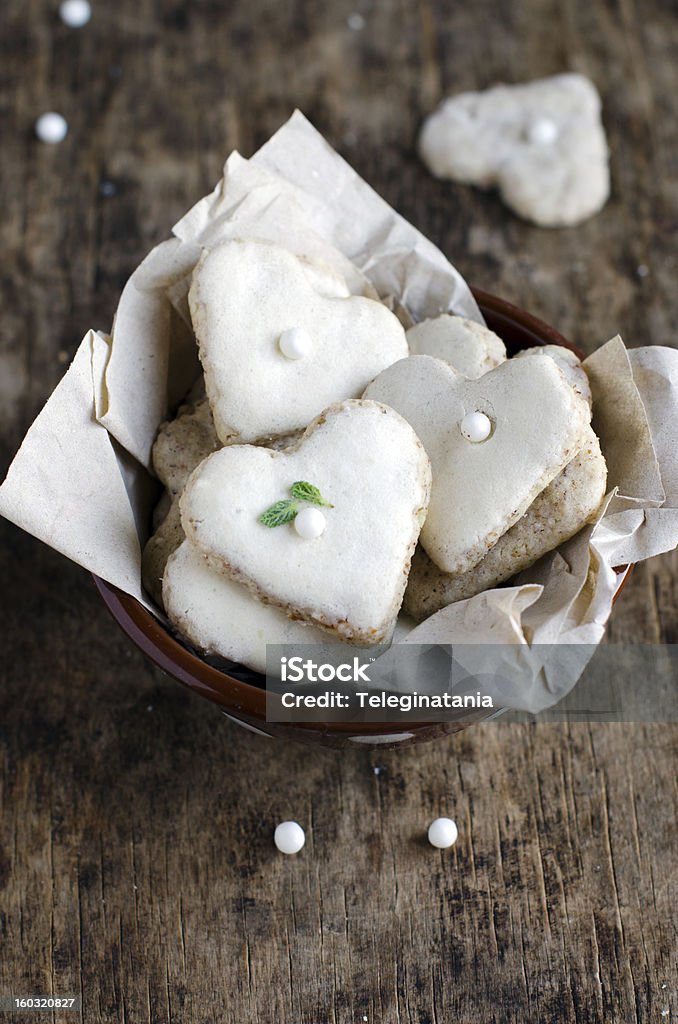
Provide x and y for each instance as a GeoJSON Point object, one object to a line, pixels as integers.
{"type": "Point", "coordinates": [136, 863]}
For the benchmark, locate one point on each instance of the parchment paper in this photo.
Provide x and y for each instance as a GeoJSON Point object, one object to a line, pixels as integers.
{"type": "Point", "coordinates": [80, 480]}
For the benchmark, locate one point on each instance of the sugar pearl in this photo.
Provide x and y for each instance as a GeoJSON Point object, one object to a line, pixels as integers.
{"type": "Point", "coordinates": [442, 833]}
{"type": "Point", "coordinates": [295, 343]}
{"type": "Point", "coordinates": [75, 13]}
{"type": "Point", "coordinates": [51, 127]}
{"type": "Point", "coordinates": [289, 837]}
{"type": "Point", "coordinates": [310, 523]}
{"type": "Point", "coordinates": [543, 130]}
{"type": "Point", "coordinates": [476, 427]}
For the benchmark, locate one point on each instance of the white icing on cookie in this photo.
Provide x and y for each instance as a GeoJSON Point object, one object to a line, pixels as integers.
{"type": "Point", "coordinates": [374, 476]}
{"type": "Point", "coordinates": [561, 510]}
{"type": "Point", "coordinates": [569, 364]}
{"type": "Point", "coordinates": [222, 617]}
{"type": "Point", "coordinates": [470, 347]}
{"type": "Point", "coordinates": [480, 490]}
{"type": "Point", "coordinates": [244, 296]}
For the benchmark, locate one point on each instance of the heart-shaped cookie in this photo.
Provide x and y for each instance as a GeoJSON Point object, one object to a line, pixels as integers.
{"type": "Point", "coordinates": [542, 144]}
{"type": "Point", "coordinates": [570, 501]}
{"type": "Point", "coordinates": [182, 444]}
{"type": "Point", "coordinates": [494, 444]}
{"type": "Point", "coordinates": [365, 463]}
{"type": "Point", "coordinates": [569, 364]}
{"type": "Point", "coordinates": [275, 351]}
{"type": "Point", "coordinates": [468, 346]}
{"type": "Point", "coordinates": [222, 617]}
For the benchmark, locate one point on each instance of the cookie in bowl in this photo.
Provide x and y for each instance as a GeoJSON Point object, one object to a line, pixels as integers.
{"type": "Point", "coordinates": [561, 510]}
{"type": "Point", "coordinates": [275, 351]}
{"type": "Point", "coordinates": [325, 529]}
{"type": "Point", "coordinates": [495, 443]}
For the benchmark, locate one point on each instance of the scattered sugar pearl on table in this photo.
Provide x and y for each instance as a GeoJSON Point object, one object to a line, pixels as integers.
{"type": "Point", "coordinates": [310, 523]}
{"type": "Point", "coordinates": [542, 130]}
{"type": "Point", "coordinates": [295, 343]}
{"type": "Point", "coordinates": [442, 833]}
{"type": "Point", "coordinates": [289, 837]}
{"type": "Point", "coordinates": [51, 127]}
{"type": "Point", "coordinates": [476, 427]}
{"type": "Point", "coordinates": [356, 22]}
{"type": "Point", "coordinates": [75, 13]}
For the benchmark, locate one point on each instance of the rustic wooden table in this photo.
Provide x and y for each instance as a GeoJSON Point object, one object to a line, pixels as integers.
{"type": "Point", "coordinates": [136, 863]}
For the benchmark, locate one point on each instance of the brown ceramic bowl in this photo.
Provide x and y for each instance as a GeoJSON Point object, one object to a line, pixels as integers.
{"type": "Point", "coordinates": [240, 692]}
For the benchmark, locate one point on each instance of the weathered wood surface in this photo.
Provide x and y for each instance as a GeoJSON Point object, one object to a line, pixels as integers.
{"type": "Point", "coordinates": [136, 864]}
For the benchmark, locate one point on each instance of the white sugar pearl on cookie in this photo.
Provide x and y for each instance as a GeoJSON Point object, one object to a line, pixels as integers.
{"type": "Point", "coordinates": [442, 833]}
{"type": "Point", "coordinates": [295, 343]}
{"type": "Point", "coordinates": [310, 523]}
{"type": "Point", "coordinates": [542, 131]}
{"type": "Point", "coordinates": [476, 427]}
{"type": "Point", "coordinates": [289, 837]}
{"type": "Point", "coordinates": [51, 127]}
{"type": "Point", "coordinates": [75, 13]}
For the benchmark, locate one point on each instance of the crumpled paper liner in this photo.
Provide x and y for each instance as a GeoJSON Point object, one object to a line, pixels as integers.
{"type": "Point", "coordinates": [80, 483]}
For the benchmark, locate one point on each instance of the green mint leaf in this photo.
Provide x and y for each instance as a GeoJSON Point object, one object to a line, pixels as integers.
{"type": "Point", "coordinates": [304, 491]}
{"type": "Point", "coordinates": [279, 513]}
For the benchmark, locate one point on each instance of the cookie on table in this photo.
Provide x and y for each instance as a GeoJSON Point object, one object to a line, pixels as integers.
{"type": "Point", "coordinates": [275, 352]}
{"type": "Point", "coordinates": [221, 617]}
{"type": "Point", "coordinates": [324, 529]}
{"type": "Point", "coordinates": [470, 347]}
{"type": "Point", "coordinates": [569, 363]}
{"type": "Point", "coordinates": [569, 502]}
{"type": "Point", "coordinates": [495, 443]}
{"type": "Point", "coordinates": [542, 144]}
